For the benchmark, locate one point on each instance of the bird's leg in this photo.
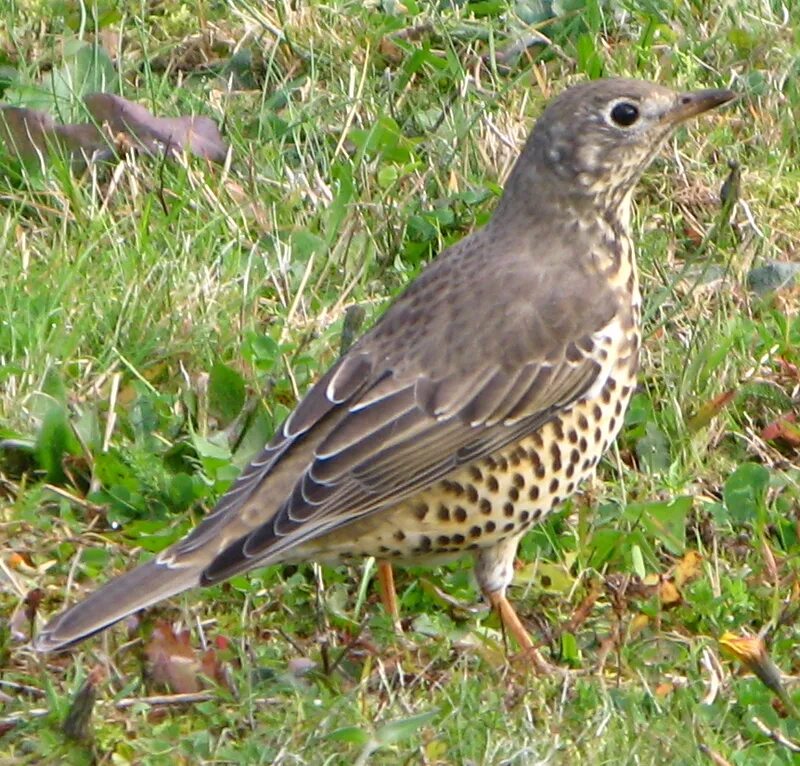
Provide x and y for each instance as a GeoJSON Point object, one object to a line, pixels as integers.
{"type": "Point", "coordinates": [388, 594]}
{"type": "Point", "coordinates": [514, 626]}
{"type": "Point", "coordinates": [494, 570]}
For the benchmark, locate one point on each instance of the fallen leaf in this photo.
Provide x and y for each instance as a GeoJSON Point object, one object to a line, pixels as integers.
{"type": "Point", "coordinates": [687, 569]}
{"type": "Point", "coordinates": [197, 134]}
{"type": "Point", "coordinates": [752, 653]}
{"type": "Point", "coordinates": [172, 659]}
{"type": "Point", "coordinates": [708, 411]}
{"type": "Point", "coordinates": [784, 429]}
{"type": "Point", "coordinates": [669, 595]}
{"type": "Point", "coordinates": [119, 126]}
{"type": "Point", "coordinates": [28, 133]}
{"type": "Point", "coordinates": [638, 624]}
{"type": "Point", "coordinates": [177, 665]}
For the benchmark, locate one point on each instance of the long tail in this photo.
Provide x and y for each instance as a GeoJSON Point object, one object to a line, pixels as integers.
{"type": "Point", "coordinates": [122, 596]}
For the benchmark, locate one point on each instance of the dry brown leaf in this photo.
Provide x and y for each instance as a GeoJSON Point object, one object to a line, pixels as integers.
{"type": "Point", "coordinates": [177, 665]}
{"type": "Point", "coordinates": [708, 411]}
{"type": "Point", "coordinates": [172, 659]}
{"type": "Point", "coordinates": [669, 595]}
{"type": "Point", "coordinates": [784, 429]}
{"type": "Point", "coordinates": [687, 569]}
{"type": "Point", "coordinates": [119, 126]}
{"type": "Point", "coordinates": [27, 133]}
{"type": "Point", "coordinates": [199, 135]}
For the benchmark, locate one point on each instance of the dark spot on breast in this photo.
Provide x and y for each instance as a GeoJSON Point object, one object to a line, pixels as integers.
{"type": "Point", "coordinates": [424, 544]}
{"type": "Point", "coordinates": [508, 509]}
{"type": "Point", "coordinates": [443, 513]}
{"type": "Point", "coordinates": [583, 445]}
{"type": "Point", "coordinates": [443, 540]}
{"type": "Point", "coordinates": [458, 539]}
{"type": "Point", "coordinates": [570, 471]}
{"type": "Point", "coordinates": [540, 471]}
{"type": "Point", "coordinates": [475, 473]}
{"type": "Point", "coordinates": [421, 510]}
{"type": "Point", "coordinates": [555, 452]}
{"type": "Point", "coordinates": [475, 531]}
{"type": "Point", "coordinates": [597, 412]}
{"type": "Point", "coordinates": [513, 494]}
{"type": "Point", "coordinates": [570, 487]}
{"type": "Point", "coordinates": [572, 436]}
{"type": "Point", "coordinates": [524, 516]}
{"type": "Point", "coordinates": [536, 438]}
{"type": "Point", "coordinates": [490, 526]}
{"type": "Point", "coordinates": [537, 514]}
{"type": "Point", "coordinates": [460, 514]}
{"type": "Point", "coordinates": [518, 480]}
{"type": "Point", "coordinates": [553, 486]}
{"type": "Point", "coordinates": [558, 428]}
{"type": "Point", "coordinates": [491, 484]}
{"type": "Point", "coordinates": [533, 492]}
{"type": "Point", "coordinates": [473, 546]}
{"type": "Point", "coordinates": [399, 535]}
{"type": "Point", "coordinates": [583, 423]}
{"type": "Point", "coordinates": [490, 463]}
{"type": "Point", "coordinates": [508, 527]}
{"type": "Point", "coordinates": [618, 408]}
{"type": "Point", "coordinates": [485, 506]}
{"type": "Point", "coordinates": [453, 487]}
{"type": "Point", "coordinates": [472, 494]}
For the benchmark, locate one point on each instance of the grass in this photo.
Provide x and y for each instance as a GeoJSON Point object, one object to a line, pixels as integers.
{"type": "Point", "coordinates": [160, 319]}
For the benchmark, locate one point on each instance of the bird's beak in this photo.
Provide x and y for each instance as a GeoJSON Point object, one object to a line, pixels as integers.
{"type": "Point", "coordinates": [696, 102]}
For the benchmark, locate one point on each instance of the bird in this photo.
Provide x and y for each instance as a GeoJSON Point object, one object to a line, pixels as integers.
{"type": "Point", "coordinates": [477, 403]}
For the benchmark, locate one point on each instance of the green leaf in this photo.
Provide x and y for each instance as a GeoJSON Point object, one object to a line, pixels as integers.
{"type": "Point", "coordinates": [665, 521]}
{"type": "Point", "coordinates": [745, 492]}
{"type": "Point", "coordinates": [54, 440]}
{"type": "Point", "coordinates": [638, 562]}
{"type": "Point", "coordinates": [87, 69]}
{"type": "Point", "coordinates": [570, 652]}
{"type": "Point", "coordinates": [397, 731]}
{"type": "Point", "coordinates": [226, 392]}
{"type": "Point", "coordinates": [653, 450]}
{"type": "Point", "coordinates": [353, 735]}
{"type": "Point", "coordinates": [305, 244]}
{"type": "Point", "coordinates": [604, 543]}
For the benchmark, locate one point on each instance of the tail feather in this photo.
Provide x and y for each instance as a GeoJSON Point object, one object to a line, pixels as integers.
{"type": "Point", "coordinates": [122, 596]}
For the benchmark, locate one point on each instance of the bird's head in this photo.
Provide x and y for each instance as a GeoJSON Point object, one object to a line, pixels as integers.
{"type": "Point", "coordinates": [598, 137]}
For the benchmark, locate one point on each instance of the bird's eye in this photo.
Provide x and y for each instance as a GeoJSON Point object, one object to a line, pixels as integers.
{"type": "Point", "coordinates": [624, 114]}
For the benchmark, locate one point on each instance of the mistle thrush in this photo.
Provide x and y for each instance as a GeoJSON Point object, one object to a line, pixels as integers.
{"type": "Point", "coordinates": [479, 401]}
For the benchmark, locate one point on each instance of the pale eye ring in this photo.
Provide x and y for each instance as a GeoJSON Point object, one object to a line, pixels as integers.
{"type": "Point", "coordinates": [624, 114]}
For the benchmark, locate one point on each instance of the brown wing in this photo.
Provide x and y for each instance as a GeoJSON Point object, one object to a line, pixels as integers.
{"type": "Point", "coordinates": [433, 386]}
{"type": "Point", "coordinates": [459, 367]}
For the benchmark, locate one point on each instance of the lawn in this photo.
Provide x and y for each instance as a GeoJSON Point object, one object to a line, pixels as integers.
{"type": "Point", "coordinates": [161, 316]}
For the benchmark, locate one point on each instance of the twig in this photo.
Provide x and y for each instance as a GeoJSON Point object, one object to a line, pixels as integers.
{"type": "Point", "coordinates": [716, 758]}
{"type": "Point", "coordinates": [165, 699]}
{"type": "Point", "coordinates": [775, 735]}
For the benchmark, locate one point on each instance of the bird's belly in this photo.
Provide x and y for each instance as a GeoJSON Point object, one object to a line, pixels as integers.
{"type": "Point", "coordinates": [484, 503]}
